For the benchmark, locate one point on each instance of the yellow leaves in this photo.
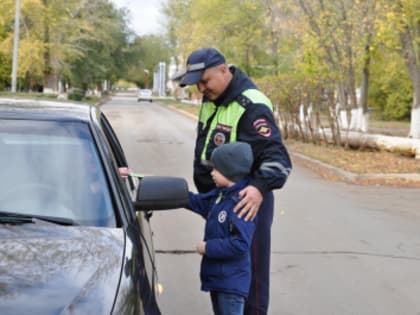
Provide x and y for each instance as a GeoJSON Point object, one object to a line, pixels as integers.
{"type": "Point", "coordinates": [7, 12]}
{"type": "Point", "coordinates": [6, 45]}
{"type": "Point", "coordinates": [25, 4]}
{"type": "Point", "coordinates": [31, 57]}
{"type": "Point", "coordinates": [234, 26]}
{"type": "Point", "coordinates": [391, 16]}
{"type": "Point", "coordinates": [63, 28]}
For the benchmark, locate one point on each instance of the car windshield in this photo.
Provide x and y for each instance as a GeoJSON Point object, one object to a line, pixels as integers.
{"type": "Point", "coordinates": [146, 92]}
{"type": "Point", "coordinates": [52, 168]}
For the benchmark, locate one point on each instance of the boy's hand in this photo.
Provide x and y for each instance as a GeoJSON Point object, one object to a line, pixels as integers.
{"type": "Point", "coordinates": [124, 171]}
{"type": "Point", "coordinates": [201, 248]}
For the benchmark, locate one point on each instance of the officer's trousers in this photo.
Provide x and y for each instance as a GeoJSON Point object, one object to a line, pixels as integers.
{"type": "Point", "coordinates": [259, 294]}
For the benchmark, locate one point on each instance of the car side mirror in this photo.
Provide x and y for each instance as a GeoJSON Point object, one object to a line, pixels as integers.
{"type": "Point", "coordinates": [161, 193]}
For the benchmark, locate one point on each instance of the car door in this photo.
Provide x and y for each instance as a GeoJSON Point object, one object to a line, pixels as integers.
{"type": "Point", "coordinates": [142, 217]}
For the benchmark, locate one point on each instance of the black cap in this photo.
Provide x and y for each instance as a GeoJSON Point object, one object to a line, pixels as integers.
{"type": "Point", "coordinates": [234, 160]}
{"type": "Point", "coordinates": [198, 61]}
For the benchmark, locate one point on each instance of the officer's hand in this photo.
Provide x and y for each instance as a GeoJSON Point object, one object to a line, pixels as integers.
{"type": "Point", "coordinates": [248, 206]}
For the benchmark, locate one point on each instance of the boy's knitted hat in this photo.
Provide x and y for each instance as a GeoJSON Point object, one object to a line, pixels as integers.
{"type": "Point", "coordinates": [234, 160]}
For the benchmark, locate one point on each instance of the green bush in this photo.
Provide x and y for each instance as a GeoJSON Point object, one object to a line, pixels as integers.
{"type": "Point", "coordinates": [390, 88]}
{"type": "Point", "coordinates": [398, 105]}
{"type": "Point", "coordinates": [5, 70]}
{"type": "Point", "coordinates": [392, 98]}
{"type": "Point", "coordinates": [92, 99]}
{"type": "Point", "coordinates": [76, 95]}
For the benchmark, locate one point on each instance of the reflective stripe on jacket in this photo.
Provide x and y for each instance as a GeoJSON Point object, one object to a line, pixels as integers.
{"type": "Point", "coordinates": [227, 117]}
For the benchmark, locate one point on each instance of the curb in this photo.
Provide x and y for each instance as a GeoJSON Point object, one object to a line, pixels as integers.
{"type": "Point", "coordinates": [333, 173]}
{"type": "Point", "coordinates": [188, 114]}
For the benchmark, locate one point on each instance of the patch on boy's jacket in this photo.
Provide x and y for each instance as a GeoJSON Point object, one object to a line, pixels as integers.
{"type": "Point", "coordinates": [262, 127]}
{"type": "Point", "coordinates": [222, 216]}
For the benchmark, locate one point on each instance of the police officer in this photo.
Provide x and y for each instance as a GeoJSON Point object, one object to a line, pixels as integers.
{"type": "Point", "coordinates": [233, 109]}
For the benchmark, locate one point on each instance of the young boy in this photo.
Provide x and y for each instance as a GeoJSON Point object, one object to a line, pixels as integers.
{"type": "Point", "coordinates": [226, 265]}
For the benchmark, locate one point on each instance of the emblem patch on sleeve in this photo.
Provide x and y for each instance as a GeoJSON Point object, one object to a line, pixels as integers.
{"type": "Point", "coordinates": [262, 127]}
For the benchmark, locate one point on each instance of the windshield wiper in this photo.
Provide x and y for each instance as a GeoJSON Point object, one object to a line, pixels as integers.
{"type": "Point", "coordinates": [14, 220]}
{"type": "Point", "coordinates": [19, 218]}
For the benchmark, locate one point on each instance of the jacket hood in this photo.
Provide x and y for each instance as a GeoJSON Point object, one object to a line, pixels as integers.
{"type": "Point", "coordinates": [237, 187]}
{"type": "Point", "coordinates": [52, 269]}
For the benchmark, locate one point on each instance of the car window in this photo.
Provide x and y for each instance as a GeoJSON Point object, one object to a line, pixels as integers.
{"type": "Point", "coordinates": [114, 142]}
{"type": "Point", "coordinates": [52, 168]}
{"type": "Point", "coordinates": [115, 146]}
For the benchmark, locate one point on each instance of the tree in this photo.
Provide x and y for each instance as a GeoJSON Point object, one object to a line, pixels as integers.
{"type": "Point", "coordinates": [5, 59]}
{"type": "Point", "coordinates": [83, 40]}
{"type": "Point", "coordinates": [143, 55]}
{"type": "Point", "coordinates": [229, 25]}
{"type": "Point", "coordinates": [177, 13]}
{"type": "Point", "coordinates": [340, 36]}
{"type": "Point", "coordinates": [401, 23]}
{"type": "Point", "coordinates": [391, 90]}
{"type": "Point", "coordinates": [57, 36]}
{"type": "Point", "coordinates": [282, 36]}
{"type": "Point", "coordinates": [104, 53]}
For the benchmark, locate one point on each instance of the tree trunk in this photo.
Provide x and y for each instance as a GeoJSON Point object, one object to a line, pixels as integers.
{"type": "Point", "coordinates": [50, 77]}
{"type": "Point", "coordinates": [50, 82]}
{"type": "Point", "coordinates": [341, 109]}
{"type": "Point", "coordinates": [364, 115]}
{"type": "Point", "coordinates": [413, 64]}
{"type": "Point", "coordinates": [415, 122]}
{"type": "Point", "coordinates": [401, 145]}
{"type": "Point", "coordinates": [273, 14]}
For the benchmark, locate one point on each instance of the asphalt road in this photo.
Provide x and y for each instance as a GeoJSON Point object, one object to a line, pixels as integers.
{"type": "Point", "coordinates": [336, 248]}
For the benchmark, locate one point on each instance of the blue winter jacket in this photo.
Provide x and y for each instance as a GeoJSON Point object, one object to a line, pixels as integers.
{"type": "Point", "coordinates": [226, 266]}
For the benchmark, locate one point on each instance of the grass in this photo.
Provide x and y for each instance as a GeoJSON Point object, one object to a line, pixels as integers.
{"type": "Point", "coordinates": [356, 161]}
{"type": "Point", "coordinates": [189, 108]}
{"type": "Point", "coordinates": [31, 95]}
{"type": "Point", "coordinates": [359, 162]}
{"type": "Point", "coordinates": [389, 124]}
{"type": "Point", "coordinates": [91, 99]}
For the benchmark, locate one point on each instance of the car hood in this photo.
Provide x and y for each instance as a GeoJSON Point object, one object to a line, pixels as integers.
{"type": "Point", "coordinates": [53, 269]}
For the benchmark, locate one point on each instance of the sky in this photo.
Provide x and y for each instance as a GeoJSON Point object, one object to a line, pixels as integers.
{"type": "Point", "coordinates": [144, 15]}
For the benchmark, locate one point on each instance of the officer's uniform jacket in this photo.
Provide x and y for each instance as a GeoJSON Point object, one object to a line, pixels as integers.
{"type": "Point", "coordinates": [241, 113]}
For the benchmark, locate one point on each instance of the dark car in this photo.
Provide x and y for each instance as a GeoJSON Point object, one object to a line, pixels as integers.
{"type": "Point", "coordinates": [74, 234]}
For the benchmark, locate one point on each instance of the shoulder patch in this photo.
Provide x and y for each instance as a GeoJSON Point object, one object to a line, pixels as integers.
{"type": "Point", "coordinates": [262, 127]}
{"type": "Point", "coordinates": [243, 100]}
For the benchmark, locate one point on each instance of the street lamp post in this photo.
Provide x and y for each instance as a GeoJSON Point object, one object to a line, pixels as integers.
{"type": "Point", "coordinates": [15, 46]}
